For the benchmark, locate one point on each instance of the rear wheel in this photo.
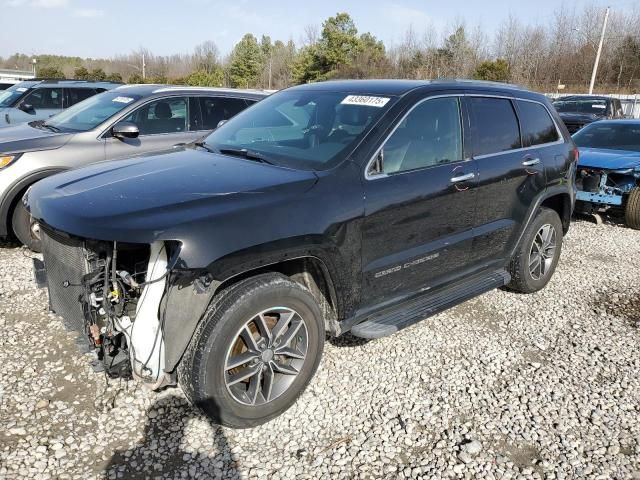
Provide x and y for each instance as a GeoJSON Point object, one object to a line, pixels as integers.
{"type": "Point", "coordinates": [537, 256]}
{"type": "Point", "coordinates": [632, 210]}
{"type": "Point", "coordinates": [25, 228]}
{"type": "Point", "coordinates": [254, 352]}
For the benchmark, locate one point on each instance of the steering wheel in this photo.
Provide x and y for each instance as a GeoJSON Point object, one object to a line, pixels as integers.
{"type": "Point", "coordinates": [315, 132]}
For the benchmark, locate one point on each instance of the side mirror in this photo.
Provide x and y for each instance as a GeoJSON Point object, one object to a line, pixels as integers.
{"type": "Point", "coordinates": [221, 122]}
{"type": "Point", "coordinates": [124, 130]}
{"type": "Point", "coordinates": [27, 108]}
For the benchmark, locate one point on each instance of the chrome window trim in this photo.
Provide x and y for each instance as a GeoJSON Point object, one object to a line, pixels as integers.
{"type": "Point", "coordinates": [368, 176]}
{"type": "Point", "coordinates": [125, 112]}
{"type": "Point", "coordinates": [146, 100]}
{"type": "Point", "coordinates": [553, 120]}
{"type": "Point", "coordinates": [560, 140]}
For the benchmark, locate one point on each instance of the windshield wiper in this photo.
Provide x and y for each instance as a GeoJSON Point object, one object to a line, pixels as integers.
{"type": "Point", "coordinates": [50, 127]}
{"type": "Point", "coordinates": [244, 153]}
{"type": "Point", "coordinates": [205, 146]}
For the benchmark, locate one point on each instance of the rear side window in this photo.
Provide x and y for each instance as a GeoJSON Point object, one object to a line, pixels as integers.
{"type": "Point", "coordinates": [76, 95]}
{"type": "Point", "coordinates": [494, 126]}
{"type": "Point", "coordinates": [537, 125]}
{"type": "Point", "coordinates": [216, 109]}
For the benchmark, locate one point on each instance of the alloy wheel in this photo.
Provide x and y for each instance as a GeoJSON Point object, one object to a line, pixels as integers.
{"type": "Point", "coordinates": [266, 356]}
{"type": "Point", "coordinates": [542, 253]}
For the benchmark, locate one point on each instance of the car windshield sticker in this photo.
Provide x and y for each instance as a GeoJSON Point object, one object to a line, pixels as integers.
{"type": "Point", "coordinates": [122, 100]}
{"type": "Point", "coordinates": [365, 100]}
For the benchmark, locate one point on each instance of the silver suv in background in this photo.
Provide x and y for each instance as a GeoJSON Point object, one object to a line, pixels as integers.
{"type": "Point", "coordinates": [40, 99]}
{"type": "Point", "coordinates": [121, 123]}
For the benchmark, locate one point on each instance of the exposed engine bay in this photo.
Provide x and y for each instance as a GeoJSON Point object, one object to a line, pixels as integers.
{"type": "Point", "coordinates": [600, 190]}
{"type": "Point", "coordinates": [117, 289]}
{"type": "Point", "coordinates": [122, 298]}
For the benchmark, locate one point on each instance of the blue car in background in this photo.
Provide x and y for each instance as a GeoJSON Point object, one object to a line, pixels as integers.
{"type": "Point", "coordinates": [608, 176]}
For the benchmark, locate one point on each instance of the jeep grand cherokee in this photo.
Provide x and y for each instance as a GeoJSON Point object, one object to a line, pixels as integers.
{"type": "Point", "coordinates": [350, 206]}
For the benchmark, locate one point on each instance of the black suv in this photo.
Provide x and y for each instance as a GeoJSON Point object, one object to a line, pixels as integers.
{"type": "Point", "coordinates": [350, 206]}
{"type": "Point", "coordinates": [576, 111]}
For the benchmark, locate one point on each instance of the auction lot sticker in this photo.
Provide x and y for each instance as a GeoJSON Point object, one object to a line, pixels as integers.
{"type": "Point", "coordinates": [365, 100]}
{"type": "Point", "coordinates": [122, 100]}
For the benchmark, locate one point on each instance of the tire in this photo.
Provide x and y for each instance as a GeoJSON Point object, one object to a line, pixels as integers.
{"type": "Point", "coordinates": [206, 372]}
{"type": "Point", "coordinates": [632, 210]}
{"type": "Point", "coordinates": [22, 224]}
{"type": "Point", "coordinates": [527, 275]}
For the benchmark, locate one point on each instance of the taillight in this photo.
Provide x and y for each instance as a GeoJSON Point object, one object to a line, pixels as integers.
{"type": "Point", "coordinates": [576, 154]}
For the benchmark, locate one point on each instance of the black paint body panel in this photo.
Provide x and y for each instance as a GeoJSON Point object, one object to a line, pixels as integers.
{"type": "Point", "coordinates": [233, 215]}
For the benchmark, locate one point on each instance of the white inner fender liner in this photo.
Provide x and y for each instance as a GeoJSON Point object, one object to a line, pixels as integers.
{"type": "Point", "coordinates": [144, 335]}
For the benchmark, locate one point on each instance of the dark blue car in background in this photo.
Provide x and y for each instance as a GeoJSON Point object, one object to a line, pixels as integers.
{"type": "Point", "coordinates": [608, 177]}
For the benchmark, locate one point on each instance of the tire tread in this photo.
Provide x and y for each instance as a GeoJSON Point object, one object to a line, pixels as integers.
{"type": "Point", "coordinates": [632, 210]}
{"type": "Point", "coordinates": [515, 268]}
{"type": "Point", "coordinates": [191, 376]}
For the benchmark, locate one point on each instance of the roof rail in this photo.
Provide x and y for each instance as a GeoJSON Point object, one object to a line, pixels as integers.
{"type": "Point", "coordinates": [60, 80]}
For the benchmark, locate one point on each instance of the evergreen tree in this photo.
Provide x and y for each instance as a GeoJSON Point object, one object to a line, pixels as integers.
{"type": "Point", "coordinates": [81, 73]}
{"type": "Point", "coordinates": [246, 61]}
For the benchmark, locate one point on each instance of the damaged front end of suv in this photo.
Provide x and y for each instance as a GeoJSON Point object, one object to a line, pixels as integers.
{"type": "Point", "coordinates": [133, 271]}
{"type": "Point", "coordinates": [111, 293]}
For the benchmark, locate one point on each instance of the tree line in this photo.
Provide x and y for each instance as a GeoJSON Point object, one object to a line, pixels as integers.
{"type": "Point", "coordinates": [538, 56]}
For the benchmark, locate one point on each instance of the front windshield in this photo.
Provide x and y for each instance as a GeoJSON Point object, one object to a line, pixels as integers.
{"type": "Point", "coordinates": [593, 107]}
{"type": "Point", "coordinates": [612, 136]}
{"type": "Point", "coordinates": [304, 129]}
{"type": "Point", "coordinates": [10, 95]}
{"type": "Point", "coordinates": [91, 112]}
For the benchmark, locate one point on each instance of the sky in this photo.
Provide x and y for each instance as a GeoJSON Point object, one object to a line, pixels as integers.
{"type": "Point", "coordinates": [96, 29]}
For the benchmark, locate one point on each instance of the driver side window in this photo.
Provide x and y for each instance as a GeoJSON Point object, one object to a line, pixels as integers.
{"type": "Point", "coordinates": [431, 134]}
{"type": "Point", "coordinates": [44, 98]}
{"type": "Point", "coordinates": [167, 115]}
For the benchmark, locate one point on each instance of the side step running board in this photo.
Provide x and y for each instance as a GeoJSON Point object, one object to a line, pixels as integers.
{"type": "Point", "coordinates": [392, 321]}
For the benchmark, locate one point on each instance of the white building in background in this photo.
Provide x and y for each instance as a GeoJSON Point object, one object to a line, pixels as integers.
{"type": "Point", "coordinates": [11, 77]}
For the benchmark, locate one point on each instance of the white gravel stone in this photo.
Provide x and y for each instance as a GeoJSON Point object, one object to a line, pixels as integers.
{"type": "Point", "coordinates": [504, 386]}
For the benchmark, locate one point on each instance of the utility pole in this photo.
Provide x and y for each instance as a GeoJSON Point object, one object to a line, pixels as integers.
{"type": "Point", "coordinates": [270, 62]}
{"type": "Point", "coordinates": [595, 65]}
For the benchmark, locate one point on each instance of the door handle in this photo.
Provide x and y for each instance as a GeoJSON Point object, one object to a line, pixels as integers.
{"type": "Point", "coordinates": [463, 178]}
{"type": "Point", "coordinates": [531, 162]}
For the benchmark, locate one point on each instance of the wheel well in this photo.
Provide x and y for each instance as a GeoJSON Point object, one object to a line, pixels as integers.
{"type": "Point", "coordinates": [18, 189]}
{"type": "Point", "coordinates": [561, 203]}
{"type": "Point", "coordinates": [309, 272]}
{"type": "Point", "coordinates": [12, 206]}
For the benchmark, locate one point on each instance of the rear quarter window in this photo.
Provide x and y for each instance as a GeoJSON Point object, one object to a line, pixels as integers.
{"type": "Point", "coordinates": [494, 126]}
{"type": "Point", "coordinates": [76, 95]}
{"type": "Point", "coordinates": [537, 126]}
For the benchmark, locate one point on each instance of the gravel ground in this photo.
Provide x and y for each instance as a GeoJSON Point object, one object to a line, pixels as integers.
{"type": "Point", "coordinates": [504, 386]}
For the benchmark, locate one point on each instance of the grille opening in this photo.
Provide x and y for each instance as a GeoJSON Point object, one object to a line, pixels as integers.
{"type": "Point", "coordinates": [95, 286]}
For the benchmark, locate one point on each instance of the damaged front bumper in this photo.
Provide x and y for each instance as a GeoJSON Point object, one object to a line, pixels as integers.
{"type": "Point", "coordinates": [602, 189]}
{"type": "Point", "coordinates": [111, 294]}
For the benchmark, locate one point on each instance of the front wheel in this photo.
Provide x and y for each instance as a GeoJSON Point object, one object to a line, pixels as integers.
{"type": "Point", "coordinates": [632, 210]}
{"type": "Point", "coordinates": [536, 258]}
{"type": "Point", "coordinates": [26, 228]}
{"type": "Point", "coordinates": [256, 349]}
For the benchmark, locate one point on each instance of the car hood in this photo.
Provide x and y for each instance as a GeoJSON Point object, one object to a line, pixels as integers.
{"type": "Point", "coordinates": [580, 117]}
{"type": "Point", "coordinates": [608, 159]}
{"type": "Point", "coordinates": [25, 138]}
{"type": "Point", "coordinates": [160, 196]}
